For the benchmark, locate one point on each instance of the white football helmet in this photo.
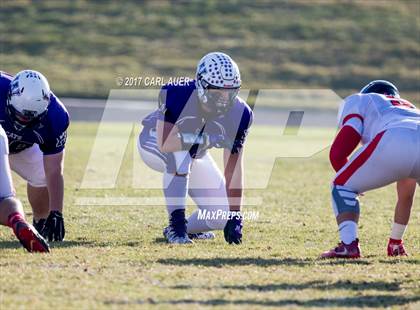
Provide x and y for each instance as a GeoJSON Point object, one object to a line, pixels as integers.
{"type": "Point", "coordinates": [28, 99]}
{"type": "Point", "coordinates": [217, 71]}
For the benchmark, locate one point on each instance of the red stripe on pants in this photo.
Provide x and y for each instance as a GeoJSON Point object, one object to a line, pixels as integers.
{"type": "Point", "coordinates": [345, 175]}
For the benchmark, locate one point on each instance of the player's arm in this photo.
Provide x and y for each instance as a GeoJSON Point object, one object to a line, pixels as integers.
{"type": "Point", "coordinates": [234, 178]}
{"type": "Point", "coordinates": [54, 166]}
{"type": "Point", "coordinates": [234, 188]}
{"type": "Point", "coordinates": [53, 159]}
{"type": "Point", "coordinates": [168, 137]}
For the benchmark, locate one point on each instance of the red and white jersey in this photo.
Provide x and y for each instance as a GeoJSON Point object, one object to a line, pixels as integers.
{"type": "Point", "coordinates": [369, 114]}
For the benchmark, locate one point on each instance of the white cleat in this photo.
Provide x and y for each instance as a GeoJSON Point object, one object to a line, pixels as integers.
{"type": "Point", "coordinates": [206, 235]}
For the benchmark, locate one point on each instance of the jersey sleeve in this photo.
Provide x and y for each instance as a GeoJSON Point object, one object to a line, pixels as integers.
{"type": "Point", "coordinates": [55, 142]}
{"type": "Point", "coordinates": [168, 110]}
{"type": "Point", "coordinates": [5, 79]}
{"type": "Point", "coordinates": [239, 131]}
{"type": "Point", "coordinates": [351, 113]}
{"type": "Point", "coordinates": [344, 144]}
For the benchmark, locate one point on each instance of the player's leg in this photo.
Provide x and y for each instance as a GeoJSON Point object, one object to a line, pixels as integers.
{"type": "Point", "coordinates": [29, 164]}
{"type": "Point", "coordinates": [176, 168]}
{"type": "Point", "coordinates": [150, 153]}
{"type": "Point", "coordinates": [207, 189]}
{"type": "Point", "coordinates": [11, 211]}
{"type": "Point", "coordinates": [175, 188]}
{"type": "Point", "coordinates": [389, 157]}
{"type": "Point", "coordinates": [11, 214]}
{"type": "Point", "coordinates": [405, 190]}
{"type": "Point", "coordinates": [39, 201]}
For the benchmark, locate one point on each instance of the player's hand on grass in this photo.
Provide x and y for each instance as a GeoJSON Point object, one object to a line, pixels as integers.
{"type": "Point", "coordinates": [54, 227]}
{"type": "Point", "coordinates": [233, 230]}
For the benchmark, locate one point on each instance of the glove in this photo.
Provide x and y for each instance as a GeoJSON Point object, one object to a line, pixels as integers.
{"type": "Point", "coordinates": [199, 143]}
{"type": "Point", "coordinates": [217, 141]}
{"type": "Point", "coordinates": [54, 227]}
{"type": "Point", "coordinates": [233, 230]}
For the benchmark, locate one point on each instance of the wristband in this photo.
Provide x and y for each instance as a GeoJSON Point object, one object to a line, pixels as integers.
{"type": "Point", "coordinates": [188, 140]}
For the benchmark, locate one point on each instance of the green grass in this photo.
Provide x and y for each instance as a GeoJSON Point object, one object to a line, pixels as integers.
{"type": "Point", "coordinates": [114, 256]}
{"type": "Point", "coordinates": [83, 46]}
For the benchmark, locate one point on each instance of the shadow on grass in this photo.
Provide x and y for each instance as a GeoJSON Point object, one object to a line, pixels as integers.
{"type": "Point", "coordinates": [65, 244]}
{"type": "Point", "coordinates": [394, 261]}
{"type": "Point", "coordinates": [256, 261]}
{"type": "Point", "coordinates": [317, 285]}
{"type": "Point", "coordinates": [374, 301]}
{"type": "Point", "coordinates": [344, 262]}
{"type": "Point", "coordinates": [236, 261]}
{"type": "Point", "coordinates": [71, 244]}
{"type": "Point", "coordinates": [160, 240]}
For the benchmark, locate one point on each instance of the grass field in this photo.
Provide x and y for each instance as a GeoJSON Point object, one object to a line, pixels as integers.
{"type": "Point", "coordinates": [115, 257]}
{"type": "Point", "coordinates": [83, 46]}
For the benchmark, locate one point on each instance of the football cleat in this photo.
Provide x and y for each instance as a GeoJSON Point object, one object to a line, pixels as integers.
{"type": "Point", "coordinates": [396, 248]}
{"type": "Point", "coordinates": [39, 225]}
{"type": "Point", "coordinates": [176, 232]}
{"type": "Point", "coordinates": [174, 237]}
{"type": "Point", "coordinates": [207, 235]}
{"type": "Point", "coordinates": [30, 239]}
{"type": "Point", "coordinates": [343, 250]}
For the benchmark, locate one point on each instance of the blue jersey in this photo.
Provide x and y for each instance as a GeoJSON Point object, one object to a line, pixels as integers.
{"type": "Point", "coordinates": [50, 133]}
{"type": "Point", "coordinates": [179, 105]}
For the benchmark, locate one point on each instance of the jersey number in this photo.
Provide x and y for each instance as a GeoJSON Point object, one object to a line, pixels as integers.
{"type": "Point", "coordinates": [401, 102]}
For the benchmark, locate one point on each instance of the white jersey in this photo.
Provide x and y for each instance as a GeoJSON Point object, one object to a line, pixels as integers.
{"type": "Point", "coordinates": [6, 186]}
{"type": "Point", "coordinates": [370, 114]}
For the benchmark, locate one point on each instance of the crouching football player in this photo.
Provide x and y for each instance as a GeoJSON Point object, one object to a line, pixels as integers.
{"type": "Point", "coordinates": [36, 122]}
{"type": "Point", "coordinates": [389, 129]}
{"type": "Point", "coordinates": [11, 211]}
{"type": "Point", "coordinates": [191, 119]}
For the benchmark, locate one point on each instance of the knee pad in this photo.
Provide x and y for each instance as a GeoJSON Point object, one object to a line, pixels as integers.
{"type": "Point", "coordinates": [179, 163]}
{"type": "Point", "coordinates": [344, 200]}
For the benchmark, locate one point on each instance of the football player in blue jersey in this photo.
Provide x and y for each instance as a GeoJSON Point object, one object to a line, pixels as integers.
{"type": "Point", "coordinates": [11, 211]}
{"type": "Point", "coordinates": [192, 118]}
{"type": "Point", "coordinates": [36, 122]}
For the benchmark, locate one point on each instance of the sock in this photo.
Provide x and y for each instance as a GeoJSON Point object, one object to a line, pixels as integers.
{"type": "Point", "coordinates": [348, 231]}
{"type": "Point", "coordinates": [14, 218]}
{"type": "Point", "coordinates": [177, 217]}
{"type": "Point", "coordinates": [397, 231]}
{"type": "Point", "coordinates": [175, 189]}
